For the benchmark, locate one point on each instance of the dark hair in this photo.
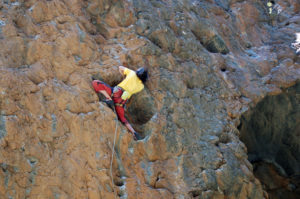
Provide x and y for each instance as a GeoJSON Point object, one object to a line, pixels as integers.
{"type": "Point", "coordinates": [142, 74]}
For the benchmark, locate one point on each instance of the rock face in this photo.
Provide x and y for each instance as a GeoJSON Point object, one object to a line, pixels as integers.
{"type": "Point", "coordinates": [209, 62]}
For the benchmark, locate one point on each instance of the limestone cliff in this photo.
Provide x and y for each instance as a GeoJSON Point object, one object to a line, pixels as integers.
{"type": "Point", "coordinates": [210, 61]}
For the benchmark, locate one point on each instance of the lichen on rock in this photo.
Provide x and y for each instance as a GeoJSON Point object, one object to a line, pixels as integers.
{"type": "Point", "coordinates": [3, 131]}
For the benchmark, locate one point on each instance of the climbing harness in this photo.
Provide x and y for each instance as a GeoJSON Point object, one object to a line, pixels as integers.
{"type": "Point", "coordinates": [122, 103]}
{"type": "Point", "coordinates": [117, 104]}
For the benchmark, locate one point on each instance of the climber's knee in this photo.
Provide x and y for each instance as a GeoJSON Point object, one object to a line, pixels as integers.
{"type": "Point", "coordinates": [97, 85]}
{"type": "Point", "coordinates": [101, 86]}
{"type": "Point", "coordinates": [124, 121]}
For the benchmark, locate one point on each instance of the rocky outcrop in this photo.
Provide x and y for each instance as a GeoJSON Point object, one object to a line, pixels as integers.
{"type": "Point", "coordinates": [270, 132]}
{"type": "Point", "coordinates": [209, 62]}
{"type": "Point", "coordinates": [274, 121]}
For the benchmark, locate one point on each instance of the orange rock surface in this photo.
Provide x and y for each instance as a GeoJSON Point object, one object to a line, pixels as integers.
{"type": "Point", "coordinates": [208, 61]}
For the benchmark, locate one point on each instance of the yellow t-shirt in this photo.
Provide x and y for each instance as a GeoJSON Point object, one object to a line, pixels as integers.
{"type": "Point", "coordinates": [132, 84]}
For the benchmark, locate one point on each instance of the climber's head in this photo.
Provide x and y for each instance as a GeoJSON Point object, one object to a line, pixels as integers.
{"type": "Point", "coordinates": [142, 74]}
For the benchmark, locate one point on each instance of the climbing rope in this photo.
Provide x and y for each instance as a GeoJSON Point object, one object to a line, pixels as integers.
{"type": "Point", "coordinates": [112, 156]}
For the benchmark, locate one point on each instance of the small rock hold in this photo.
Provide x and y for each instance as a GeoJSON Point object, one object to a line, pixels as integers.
{"type": "Point", "coordinates": [2, 23]}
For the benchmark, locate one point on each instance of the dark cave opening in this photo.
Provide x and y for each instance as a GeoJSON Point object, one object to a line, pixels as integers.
{"type": "Point", "coordinates": [271, 132]}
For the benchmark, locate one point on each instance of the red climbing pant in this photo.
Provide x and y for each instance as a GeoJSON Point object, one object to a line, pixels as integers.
{"type": "Point", "coordinates": [116, 96]}
{"type": "Point", "coordinates": [101, 86]}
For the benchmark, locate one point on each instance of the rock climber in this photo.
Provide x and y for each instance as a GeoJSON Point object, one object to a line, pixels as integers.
{"type": "Point", "coordinates": [118, 95]}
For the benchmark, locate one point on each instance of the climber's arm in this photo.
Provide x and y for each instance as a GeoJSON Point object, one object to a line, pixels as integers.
{"type": "Point", "coordinates": [122, 70]}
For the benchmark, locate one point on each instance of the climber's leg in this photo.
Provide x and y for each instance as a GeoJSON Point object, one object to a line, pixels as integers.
{"type": "Point", "coordinates": [103, 88]}
{"type": "Point", "coordinates": [107, 96]}
{"type": "Point", "coordinates": [121, 115]}
{"type": "Point", "coordinates": [119, 104]}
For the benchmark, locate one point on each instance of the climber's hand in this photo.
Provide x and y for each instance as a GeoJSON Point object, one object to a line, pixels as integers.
{"type": "Point", "coordinates": [122, 69]}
